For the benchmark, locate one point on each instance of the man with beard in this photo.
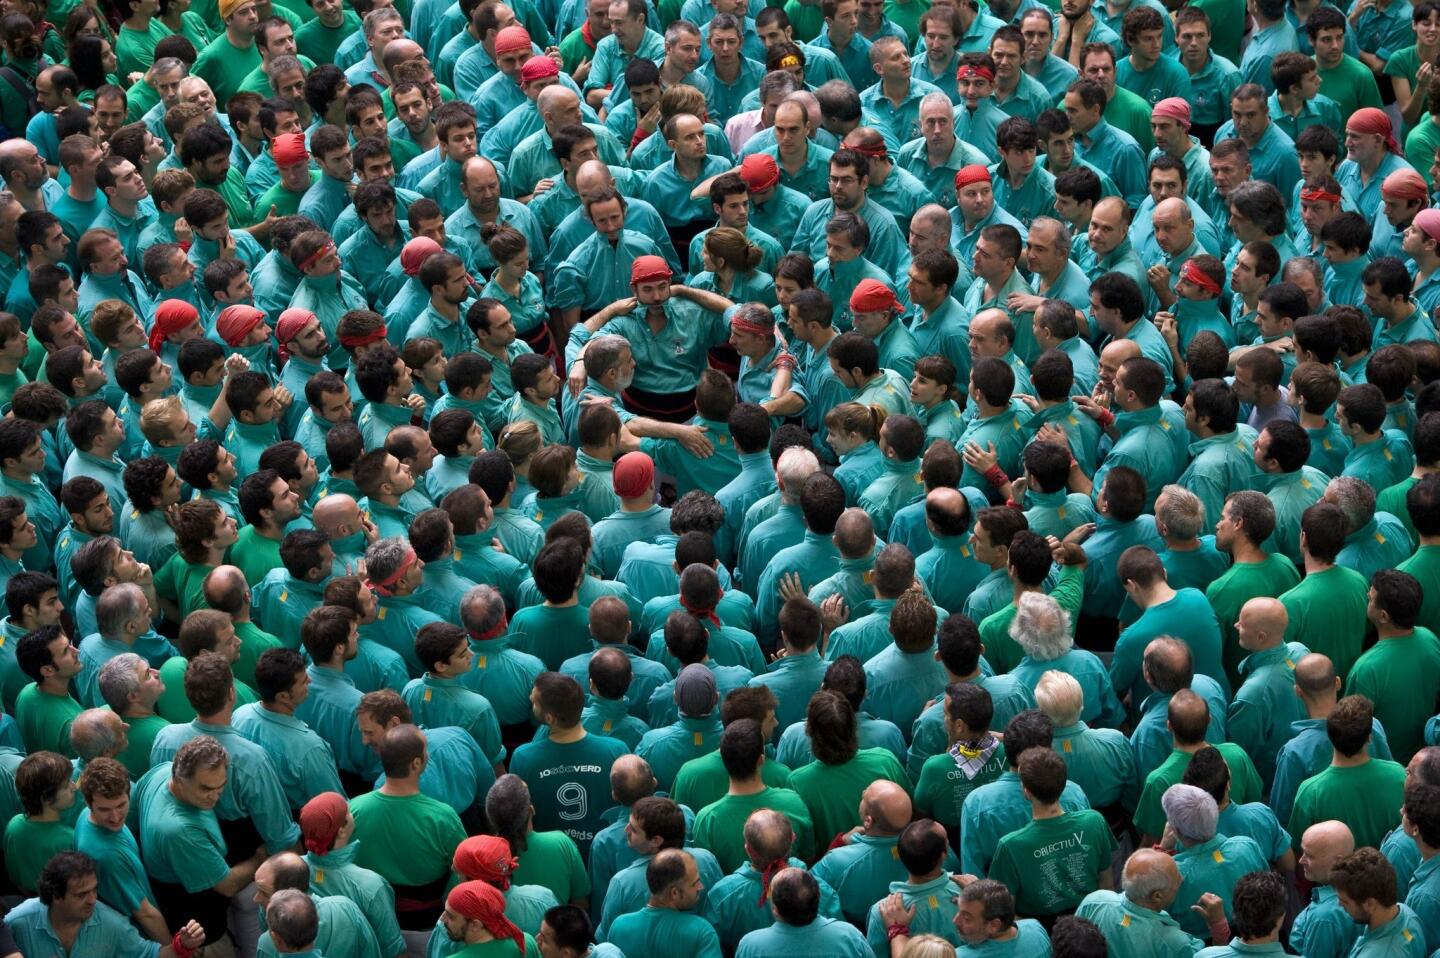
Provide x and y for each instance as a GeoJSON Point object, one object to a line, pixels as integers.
{"type": "Point", "coordinates": [596, 272]}
{"type": "Point", "coordinates": [849, 182]}
{"type": "Point", "coordinates": [670, 336]}
{"type": "Point", "coordinates": [1077, 28]}
{"type": "Point", "coordinates": [449, 283]}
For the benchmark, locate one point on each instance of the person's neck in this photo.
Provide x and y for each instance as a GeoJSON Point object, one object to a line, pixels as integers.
{"type": "Point", "coordinates": [444, 307]}
{"type": "Point", "coordinates": [1381, 917]}
{"type": "Point", "coordinates": [81, 190]}
{"type": "Point", "coordinates": [1040, 811]}
{"type": "Point", "coordinates": [1246, 551]}
{"type": "Point", "coordinates": [753, 785]}
{"type": "Point", "coordinates": [574, 600]}
{"type": "Point", "coordinates": [401, 787]}
{"type": "Point", "coordinates": [1314, 565]}
{"type": "Point", "coordinates": [138, 21]}
{"type": "Point", "coordinates": [1349, 761]}
{"type": "Point", "coordinates": [670, 75]}
{"type": "Point", "coordinates": [221, 717]}
{"type": "Point", "coordinates": [565, 736]}
{"type": "Point", "coordinates": [923, 877]}
{"type": "Point", "coordinates": [1368, 438]}
{"type": "Point", "coordinates": [1392, 632]}
{"type": "Point", "coordinates": [269, 530]}
{"type": "Point", "coordinates": [1312, 420]}
{"type": "Point", "coordinates": [1191, 749]}
{"type": "Point", "coordinates": [7, 550]}
{"type": "Point", "coordinates": [895, 90]}
{"type": "Point", "coordinates": [1319, 708]}
{"type": "Point", "coordinates": [242, 43]}
{"type": "Point", "coordinates": [726, 70]}
{"type": "Point", "coordinates": [939, 154]}
{"type": "Point", "coordinates": [1159, 594]}
{"type": "Point", "coordinates": [30, 199]}
{"type": "Point", "coordinates": [279, 708]}
{"type": "Point", "coordinates": [1401, 315]}
{"type": "Point", "coordinates": [214, 556]}
{"type": "Point", "coordinates": [993, 286]}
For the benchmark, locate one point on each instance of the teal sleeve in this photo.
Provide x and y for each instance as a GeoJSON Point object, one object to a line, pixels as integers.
{"type": "Point", "coordinates": [198, 862]}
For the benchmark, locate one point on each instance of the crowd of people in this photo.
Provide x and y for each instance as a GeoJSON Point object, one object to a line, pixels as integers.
{"type": "Point", "coordinates": [852, 478]}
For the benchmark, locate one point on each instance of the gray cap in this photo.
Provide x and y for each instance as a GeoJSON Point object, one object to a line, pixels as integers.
{"type": "Point", "coordinates": [695, 693]}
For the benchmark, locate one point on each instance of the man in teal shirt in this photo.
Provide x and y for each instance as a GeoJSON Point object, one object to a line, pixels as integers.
{"type": "Point", "coordinates": [1381, 457]}
{"type": "Point", "coordinates": [1135, 923]}
{"type": "Point", "coordinates": [22, 462]}
{"type": "Point", "coordinates": [813, 559]}
{"type": "Point", "coordinates": [1265, 704]}
{"type": "Point", "coordinates": [438, 698]}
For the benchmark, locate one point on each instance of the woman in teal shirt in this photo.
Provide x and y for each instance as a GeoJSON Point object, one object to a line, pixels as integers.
{"type": "Point", "coordinates": [516, 287]}
{"type": "Point", "coordinates": [851, 430]}
{"type": "Point", "coordinates": [730, 268]}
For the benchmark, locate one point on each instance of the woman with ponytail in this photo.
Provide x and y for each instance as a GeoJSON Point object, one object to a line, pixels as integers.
{"type": "Point", "coordinates": [513, 285]}
{"type": "Point", "coordinates": [852, 430]}
{"type": "Point", "coordinates": [731, 268]}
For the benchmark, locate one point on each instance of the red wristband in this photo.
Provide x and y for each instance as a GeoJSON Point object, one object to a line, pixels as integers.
{"type": "Point", "coordinates": [895, 931]}
{"type": "Point", "coordinates": [1107, 419]}
{"type": "Point", "coordinates": [996, 476]}
{"type": "Point", "coordinates": [179, 947]}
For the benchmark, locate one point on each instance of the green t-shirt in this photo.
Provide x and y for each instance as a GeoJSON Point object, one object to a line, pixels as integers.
{"type": "Point", "coordinates": [1425, 566]}
{"type": "Point", "coordinates": [720, 826]}
{"type": "Point", "coordinates": [1401, 676]}
{"type": "Point", "coordinates": [832, 792]}
{"type": "Point", "coordinates": [407, 841]}
{"type": "Point", "coordinates": [174, 707]}
{"type": "Point", "coordinates": [1052, 863]}
{"type": "Point", "coordinates": [1242, 582]}
{"type": "Point", "coordinates": [551, 859]}
{"type": "Point", "coordinates": [1351, 85]}
{"type": "Point", "coordinates": [1327, 615]}
{"type": "Point", "coordinates": [943, 784]}
{"type": "Point", "coordinates": [30, 844]}
{"type": "Point", "coordinates": [255, 554]}
{"type": "Point", "coordinates": [551, 633]}
{"type": "Point", "coordinates": [1245, 785]}
{"type": "Point", "coordinates": [182, 583]}
{"type": "Point", "coordinates": [569, 783]}
{"type": "Point", "coordinates": [1366, 797]}
{"type": "Point", "coordinates": [136, 758]}
{"type": "Point", "coordinates": [703, 781]}
{"type": "Point", "coordinates": [285, 200]}
{"type": "Point", "coordinates": [44, 720]}
{"type": "Point", "coordinates": [253, 643]}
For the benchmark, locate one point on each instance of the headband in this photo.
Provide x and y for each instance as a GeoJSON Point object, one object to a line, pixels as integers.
{"type": "Point", "coordinates": [787, 61]}
{"type": "Point", "coordinates": [740, 323]}
{"type": "Point", "coordinates": [495, 631]}
{"type": "Point", "coordinates": [970, 71]}
{"type": "Point", "coordinates": [386, 586]}
{"type": "Point", "coordinates": [1194, 274]}
{"type": "Point", "coordinates": [1318, 195]}
{"type": "Point", "coordinates": [356, 340]}
{"type": "Point", "coordinates": [317, 256]}
{"type": "Point", "coordinates": [876, 152]}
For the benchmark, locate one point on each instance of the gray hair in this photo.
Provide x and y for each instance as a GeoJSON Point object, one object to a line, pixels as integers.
{"type": "Point", "coordinates": [1181, 512]}
{"type": "Point", "coordinates": [1059, 696]}
{"type": "Point", "coordinates": [1143, 884]}
{"type": "Point", "coordinates": [168, 64]}
{"type": "Point", "coordinates": [780, 83]}
{"type": "Point", "coordinates": [1192, 812]}
{"type": "Point", "coordinates": [1303, 264]}
{"type": "Point", "coordinates": [292, 918]}
{"type": "Point", "coordinates": [482, 609]}
{"type": "Point", "coordinates": [283, 64]}
{"type": "Point", "coordinates": [95, 732]}
{"type": "Point", "coordinates": [203, 751]}
{"type": "Point", "coordinates": [935, 101]}
{"type": "Point", "coordinates": [1355, 498]}
{"type": "Point", "coordinates": [795, 465]}
{"type": "Point", "coordinates": [1061, 235]}
{"type": "Point", "coordinates": [1041, 627]}
{"type": "Point", "coordinates": [603, 354]}
{"type": "Point", "coordinates": [117, 606]}
{"type": "Point", "coordinates": [379, 15]}
{"type": "Point", "coordinates": [119, 679]}
{"type": "Point", "coordinates": [678, 28]}
{"type": "Point", "coordinates": [384, 558]}
{"type": "Point", "coordinates": [507, 805]}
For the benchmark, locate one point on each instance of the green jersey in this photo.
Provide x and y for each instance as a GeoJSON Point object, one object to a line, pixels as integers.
{"type": "Point", "coordinates": [1052, 863]}
{"type": "Point", "coordinates": [720, 826]}
{"type": "Point", "coordinates": [570, 783]}
{"type": "Point", "coordinates": [1401, 676]}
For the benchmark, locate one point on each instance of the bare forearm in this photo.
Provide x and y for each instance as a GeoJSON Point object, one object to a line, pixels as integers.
{"type": "Point", "coordinates": [789, 404]}
{"type": "Point", "coordinates": [152, 923]}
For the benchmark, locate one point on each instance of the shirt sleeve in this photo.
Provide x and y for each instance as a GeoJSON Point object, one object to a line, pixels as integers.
{"type": "Point", "coordinates": [263, 799]}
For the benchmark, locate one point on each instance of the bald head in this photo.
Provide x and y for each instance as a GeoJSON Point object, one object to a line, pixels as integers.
{"type": "Point", "coordinates": [558, 104]}
{"type": "Point", "coordinates": [631, 779]}
{"type": "Point", "coordinates": [336, 515]}
{"type": "Point", "coordinates": [1316, 680]}
{"type": "Point", "coordinates": [809, 104]}
{"type": "Point", "coordinates": [1262, 624]}
{"type": "Point", "coordinates": [768, 838]}
{"type": "Point", "coordinates": [1172, 210]}
{"type": "Point", "coordinates": [1188, 717]}
{"type": "Point", "coordinates": [885, 808]}
{"type": "Point", "coordinates": [1151, 879]}
{"type": "Point", "coordinates": [98, 732]}
{"type": "Point", "coordinates": [398, 51]}
{"type": "Point", "coordinates": [1322, 845]}
{"type": "Point", "coordinates": [854, 534]}
{"type": "Point", "coordinates": [592, 175]}
{"type": "Point", "coordinates": [225, 589]}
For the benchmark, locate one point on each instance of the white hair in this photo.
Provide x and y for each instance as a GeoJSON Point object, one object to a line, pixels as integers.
{"type": "Point", "coordinates": [1059, 696]}
{"type": "Point", "coordinates": [1041, 627]}
{"type": "Point", "coordinates": [1192, 812]}
{"type": "Point", "coordinates": [794, 467]}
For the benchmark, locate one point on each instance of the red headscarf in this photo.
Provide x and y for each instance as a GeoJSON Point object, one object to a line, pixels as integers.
{"type": "Point", "coordinates": [171, 316]}
{"type": "Point", "coordinates": [321, 820]}
{"type": "Point", "coordinates": [538, 68]}
{"type": "Point", "coordinates": [484, 903]}
{"type": "Point", "coordinates": [287, 149]}
{"type": "Point", "coordinates": [511, 39]}
{"type": "Point", "coordinates": [1405, 184]}
{"type": "Point", "coordinates": [873, 296]}
{"type": "Point", "coordinates": [760, 172]}
{"type": "Point", "coordinates": [416, 252]}
{"type": "Point", "coordinates": [486, 858]}
{"type": "Point", "coordinates": [633, 475]}
{"type": "Point", "coordinates": [1173, 108]}
{"type": "Point", "coordinates": [235, 322]}
{"type": "Point", "coordinates": [974, 173]}
{"type": "Point", "coordinates": [1373, 120]}
{"type": "Point", "coordinates": [649, 269]}
{"type": "Point", "coordinates": [291, 322]}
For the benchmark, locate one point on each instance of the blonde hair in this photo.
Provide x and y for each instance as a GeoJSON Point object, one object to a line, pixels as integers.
{"type": "Point", "coordinates": [158, 417]}
{"type": "Point", "coordinates": [852, 417]}
{"type": "Point", "coordinates": [682, 98]}
{"type": "Point", "coordinates": [1059, 696]}
{"type": "Point", "coordinates": [928, 946]}
{"type": "Point", "coordinates": [520, 441]}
